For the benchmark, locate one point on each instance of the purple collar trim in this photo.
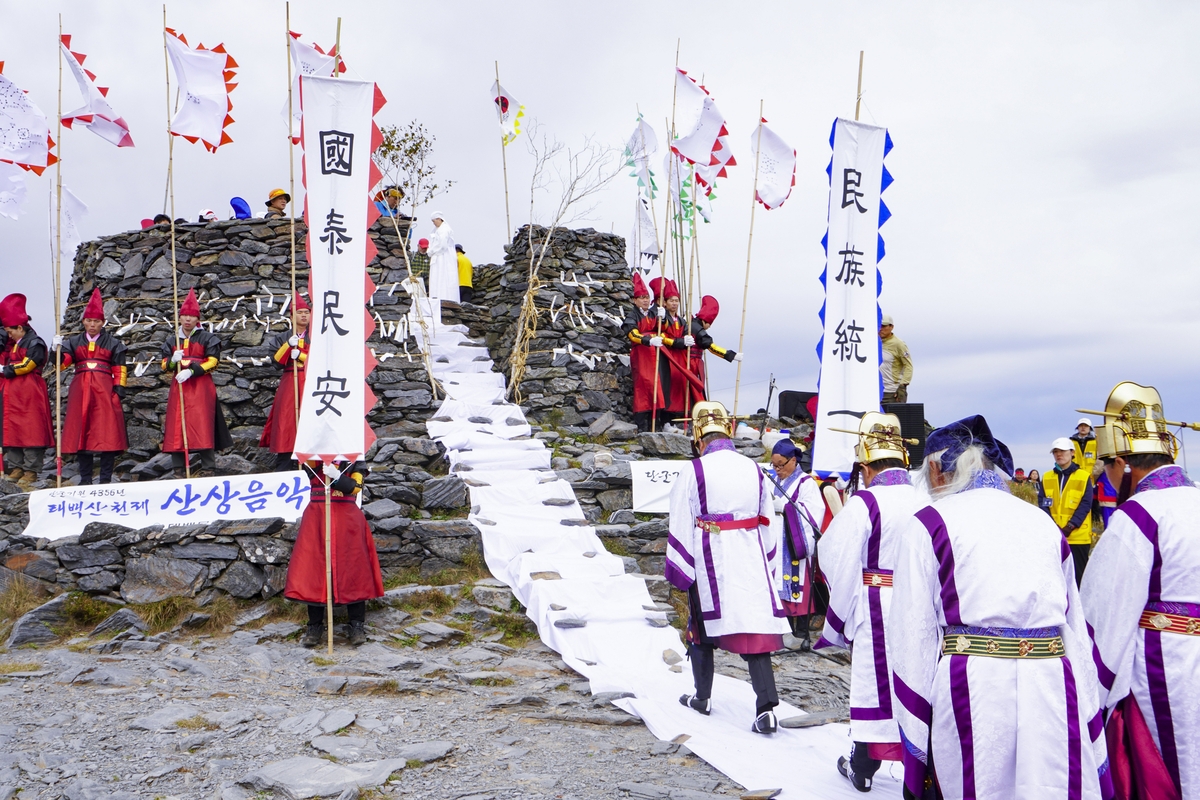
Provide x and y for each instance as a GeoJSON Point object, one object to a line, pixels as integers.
{"type": "Point", "coordinates": [896, 476]}
{"type": "Point", "coordinates": [1167, 477]}
{"type": "Point", "coordinates": [719, 444]}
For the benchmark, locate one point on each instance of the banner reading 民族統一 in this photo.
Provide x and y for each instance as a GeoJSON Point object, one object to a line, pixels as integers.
{"type": "Point", "coordinates": [58, 513]}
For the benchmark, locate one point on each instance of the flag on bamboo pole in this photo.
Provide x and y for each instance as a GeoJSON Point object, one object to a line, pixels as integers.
{"type": "Point", "coordinates": [12, 190]}
{"type": "Point", "coordinates": [24, 133]}
{"type": "Point", "coordinates": [509, 112]}
{"type": "Point", "coordinates": [642, 249]}
{"type": "Point", "coordinates": [339, 135]}
{"type": "Point", "coordinates": [73, 212]}
{"type": "Point", "coordinates": [776, 166]}
{"type": "Point", "coordinates": [850, 382]}
{"type": "Point", "coordinates": [642, 144]}
{"type": "Point", "coordinates": [307, 59]}
{"type": "Point", "coordinates": [95, 114]}
{"type": "Point", "coordinates": [705, 144]}
{"type": "Point", "coordinates": [205, 80]}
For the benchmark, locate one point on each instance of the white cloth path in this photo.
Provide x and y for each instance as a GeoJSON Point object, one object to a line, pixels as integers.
{"type": "Point", "coordinates": [618, 650]}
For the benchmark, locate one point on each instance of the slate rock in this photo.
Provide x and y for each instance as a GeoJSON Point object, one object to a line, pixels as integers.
{"type": "Point", "coordinates": [602, 423]}
{"type": "Point", "coordinates": [335, 720]}
{"type": "Point", "coordinates": [493, 597]}
{"type": "Point", "coordinates": [622, 431]}
{"type": "Point", "coordinates": [665, 444]}
{"type": "Point", "coordinates": [205, 550]}
{"type": "Point", "coordinates": [261, 550]}
{"type": "Point", "coordinates": [109, 270]}
{"type": "Point", "coordinates": [165, 718]}
{"type": "Point", "coordinates": [380, 509]}
{"type": "Point", "coordinates": [247, 527]}
{"type": "Point", "coordinates": [82, 556]}
{"type": "Point", "coordinates": [445, 492]}
{"type": "Point", "coordinates": [102, 581]}
{"type": "Point", "coordinates": [124, 619]}
{"type": "Point", "coordinates": [614, 499]}
{"type": "Point", "coordinates": [426, 751]}
{"type": "Point", "coordinates": [100, 531]}
{"type": "Point", "coordinates": [434, 633]}
{"type": "Point", "coordinates": [152, 578]}
{"type": "Point", "coordinates": [304, 776]}
{"type": "Point", "coordinates": [241, 580]}
{"type": "Point", "coordinates": [35, 626]}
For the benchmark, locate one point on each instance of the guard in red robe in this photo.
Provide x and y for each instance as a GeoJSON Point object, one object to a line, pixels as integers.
{"type": "Point", "coordinates": [356, 575]}
{"type": "Point", "coordinates": [702, 320]}
{"type": "Point", "coordinates": [641, 328]}
{"type": "Point", "coordinates": [675, 341]}
{"type": "Point", "coordinates": [191, 354]}
{"type": "Point", "coordinates": [289, 351]}
{"type": "Point", "coordinates": [26, 427]}
{"type": "Point", "coordinates": [95, 421]}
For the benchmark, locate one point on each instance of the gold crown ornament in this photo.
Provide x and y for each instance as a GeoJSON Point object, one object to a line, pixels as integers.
{"type": "Point", "coordinates": [709, 416]}
{"type": "Point", "coordinates": [1134, 423]}
{"type": "Point", "coordinates": [879, 438]}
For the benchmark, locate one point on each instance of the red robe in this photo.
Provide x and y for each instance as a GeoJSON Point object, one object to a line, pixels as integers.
{"type": "Point", "coordinates": [704, 344]}
{"type": "Point", "coordinates": [202, 349]}
{"type": "Point", "coordinates": [640, 328]}
{"type": "Point", "coordinates": [356, 574]}
{"type": "Point", "coordinates": [95, 421]}
{"type": "Point", "coordinates": [673, 332]}
{"type": "Point", "coordinates": [279, 433]}
{"type": "Point", "coordinates": [25, 418]}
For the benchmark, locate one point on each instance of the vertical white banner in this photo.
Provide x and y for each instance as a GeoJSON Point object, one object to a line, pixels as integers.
{"type": "Point", "coordinates": [850, 382]}
{"type": "Point", "coordinates": [336, 132]}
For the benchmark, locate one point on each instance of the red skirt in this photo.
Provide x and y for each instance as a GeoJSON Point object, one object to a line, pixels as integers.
{"type": "Point", "coordinates": [356, 575]}
{"type": "Point", "coordinates": [200, 409]}
{"type": "Point", "coordinates": [95, 422]}
{"type": "Point", "coordinates": [25, 407]}
{"type": "Point", "coordinates": [646, 395]}
{"type": "Point", "coordinates": [279, 434]}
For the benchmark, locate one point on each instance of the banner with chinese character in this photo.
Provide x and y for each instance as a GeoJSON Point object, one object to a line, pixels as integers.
{"type": "Point", "coordinates": [58, 513]}
{"type": "Point", "coordinates": [338, 133]}
{"type": "Point", "coordinates": [850, 382]}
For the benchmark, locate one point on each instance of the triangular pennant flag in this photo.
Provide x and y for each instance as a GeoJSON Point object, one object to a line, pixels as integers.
{"type": "Point", "coordinates": [95, 113]}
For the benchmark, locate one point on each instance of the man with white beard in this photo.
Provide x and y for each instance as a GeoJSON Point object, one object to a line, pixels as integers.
{"type": "Point", "coordinates": [990, 654]}
{"type": "Point", "coordinates": [1141, 597]}
{"type": "Point", "coordinates": [857, 555]}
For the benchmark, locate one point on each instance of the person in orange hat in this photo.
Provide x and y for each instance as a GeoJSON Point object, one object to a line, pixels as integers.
{"type": "Point", "coordinates": [95, 421]}
{"type": "Point", "coordinates": [277, 202]}
{"type": "Point", "coordinates": [26, 427]}
{"type": "Point", "coordinates": [191, 354]}
{"type": "Point", "coordinates": [702, 320]}
{"type": "Point", "coordinates": [289, 351]}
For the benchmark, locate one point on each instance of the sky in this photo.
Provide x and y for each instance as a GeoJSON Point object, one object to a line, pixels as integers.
{"type": "Point", "coordinates": [1038, 148]}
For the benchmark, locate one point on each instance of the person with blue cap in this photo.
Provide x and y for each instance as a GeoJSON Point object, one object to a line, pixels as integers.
{"type": "Point", "coordinates": [798, 506]}
{"type": "Point", "coordinates": [991, 659]}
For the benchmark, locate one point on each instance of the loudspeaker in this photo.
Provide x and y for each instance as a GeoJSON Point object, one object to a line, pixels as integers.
{"type": "Point", "coordinates": [912, 426]}
{"type": "Point", "coordinates": [792, 404]}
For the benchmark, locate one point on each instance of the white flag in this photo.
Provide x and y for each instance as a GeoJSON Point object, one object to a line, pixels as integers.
{"type": "Point", "coordinates": [641, 251]}
{"type": "Point", "coordinates": [24, 133]}
{"type": "Point", "coordinates": [12, 190]}
{"type": "Point", "coordinates": [850, 382]}
{"type": "Point", "coordinates": [776, 166]}
{"type": "Point", "coordinates": [337, 168]}
{"type": "Point", "coordinates": [307, 59]}
{"type": "Point", "coordinates": [509, 112]}
{"type": "Point", "coordinates": [73, 212]}
{"type": "Point", "coordinates": [642, 144]}
{"type": "Point", "coordinates": [204, 105]}
{"type": "Point", "coordinates": [95, 114]}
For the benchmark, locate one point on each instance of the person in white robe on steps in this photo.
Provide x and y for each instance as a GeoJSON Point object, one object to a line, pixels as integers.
{"type": "Point", "coordinates": [858, 556]}
{"type": "Point", "coordinates": [721, 552]}
{"type": "Point", "coordinates": [443, 261]}
{"type": "Point", "coordinates": [1141, 597]}
{"type": "Point", "coordinates": [991, 661]}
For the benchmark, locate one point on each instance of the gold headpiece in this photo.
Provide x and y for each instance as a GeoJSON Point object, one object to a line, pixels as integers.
{"type": "Point", "coordinates": [879, 438]}
{"type": "Point", "coordinates": [709, 416]}
{"type": "Point", "coordinates": [1134, 423]}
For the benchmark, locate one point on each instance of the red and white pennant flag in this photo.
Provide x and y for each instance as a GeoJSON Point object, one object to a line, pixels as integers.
{"type": "Point", "coordinates": [776, 166]}
{"type": "Point", "coordinates": [24, 133]}
{"type": "Point", "coordinates": [307, 59]}
{"type": "Point", "coordinates": [205, 80]}
{"type": "Point", "coordinates": [95, 114]}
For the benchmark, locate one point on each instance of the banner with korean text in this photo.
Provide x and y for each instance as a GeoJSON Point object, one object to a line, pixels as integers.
{"type": "Point", "coordinates": [850, 350]}
{"type": "Point", "coordinates": [652, 484]}
{"type": "Point", "coordinates": [58, 513]}
{"type": "Point", "coordinates": [339, 134]}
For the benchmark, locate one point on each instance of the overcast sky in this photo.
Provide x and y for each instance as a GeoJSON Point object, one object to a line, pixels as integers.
{"type": "Point", "coordinates": [1045, 163]}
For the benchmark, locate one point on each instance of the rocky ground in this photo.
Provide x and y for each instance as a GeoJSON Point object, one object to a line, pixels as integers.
{"type": "Point", "coordinates": [453, 697]}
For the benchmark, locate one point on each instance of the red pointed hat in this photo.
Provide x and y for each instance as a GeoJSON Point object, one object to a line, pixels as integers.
{"type": "Point", "coordinates": [95, 306]}
{"type": "Point", "coordinates": [191, 306]}
{"type": "Point", "coordinates": [639, 286]}
{"type": "Point", "coordinates": [663, 290]}
{"type": "Point", "coordinates": [12, 311]}
{"type": "Point", "coordinates": [299, 304]}
{"type": "Point", "coordinates": [709, 308]}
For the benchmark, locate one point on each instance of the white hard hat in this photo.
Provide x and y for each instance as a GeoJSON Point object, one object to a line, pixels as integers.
{"type": "Point", "coordinates": [1062, 443]}
{"type": "Point", "coordinates": [1084, 421]}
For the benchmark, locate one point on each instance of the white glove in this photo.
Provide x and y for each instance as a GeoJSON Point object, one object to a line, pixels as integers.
{"type": "Point", "coordinates": [780, 504]}
{"type": "Point", "coordinates": [183, 376]}
{"type": "Point", "coordinates": [294, 341]}
{"type": "Point", "coordinates": [689, 341]}
{"type": "Point", "coordinates": [331, 471]}
{"type": "Point", "coordinates": [656, 341]}
{"type": "Point", "coordinates": [295, 353]}
{"type": "Point", "coordinates": [738, 356]}
{"type": "Point", "coordinates": [57, 341]}
{"type": "Point", "coordinates": [662, 312]}
{"type": "Point", "coordinates": [177, 356]}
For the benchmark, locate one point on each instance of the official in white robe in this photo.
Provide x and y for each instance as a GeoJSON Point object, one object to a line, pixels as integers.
{"type": "Point", "coordinates": [721, 552]}
{"type": "Point", "coordinates": [443, 261]}
{"type": "Point", "coordinates": [858, 556]}
{"type": "Point", "coordinates": [990, 655]}
{"type": "Point", "coordinates": [798, 506]}
{"type": "Point", "coordinates": [1141, 597]}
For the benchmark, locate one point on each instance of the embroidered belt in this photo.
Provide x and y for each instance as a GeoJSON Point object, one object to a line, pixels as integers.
{"type": "Point", "coordinates": [1027, 643]}
{"type": "Point", "coordinates": [318, 496]}
{"type": "Point", "coordinates": [877, 577]}
{"type": "Point", "coordinates": [95, 366]}
{"type": "Point", "coordinates": [718, 525]}
{"type": "Point", "coordinates": [1169, 623]}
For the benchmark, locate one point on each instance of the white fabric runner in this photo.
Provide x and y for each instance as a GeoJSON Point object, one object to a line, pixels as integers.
{"type": "Point", "coordinates": [618, 649]}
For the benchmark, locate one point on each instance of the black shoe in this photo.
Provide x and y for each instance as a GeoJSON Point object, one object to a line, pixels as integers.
{"type": "Point", "coordinates": [860, 783]}
{"type": "Point", "coordinates": [313, 636]}
{"type": "Point", "coordinates": [765, 723]}
{"type": "Point", "coordinates": [357, 634]}
{"type": "Point", "coordinates": [696, 704]}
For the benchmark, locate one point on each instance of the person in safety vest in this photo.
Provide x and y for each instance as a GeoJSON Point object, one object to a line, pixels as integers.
{"type": "Point", "coordinates": [1084, 442]}
{"type": "Point", "coordinates": [1068, 490]}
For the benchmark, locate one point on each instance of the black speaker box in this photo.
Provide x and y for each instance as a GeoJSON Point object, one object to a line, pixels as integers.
{"type": "Point", "coordinates": [792, 404]}
{"type": "Point", "coordinates": [912, 426]}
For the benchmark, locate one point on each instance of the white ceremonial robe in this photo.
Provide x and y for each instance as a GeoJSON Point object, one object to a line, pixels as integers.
{"type": "Point", "coordinates": [866, 536]}
{"type": "Point", "coordinates": [799, 488]}
{"type": "Point", "coordinates": [735, 572]}
{"type": "Point", "coordinates": [998, 728]}
{"type": "Point", "coordinates": [1149, 559]}
{"type": "Point", "coordinates": [443, 264]}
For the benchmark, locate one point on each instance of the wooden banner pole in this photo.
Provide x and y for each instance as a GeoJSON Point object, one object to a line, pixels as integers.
{"type": "Point", "coordinates": [58, 463]}
{"type": "Point", "coordinates": [504, 161]}
{"type": "Point", "coordinates": [749, 247]}
{"type": "Point", "coordinates": [187, 456]}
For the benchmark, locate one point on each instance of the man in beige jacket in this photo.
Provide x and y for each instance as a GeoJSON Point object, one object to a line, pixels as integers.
{"type": "Point", "coordinates": [896, 364]}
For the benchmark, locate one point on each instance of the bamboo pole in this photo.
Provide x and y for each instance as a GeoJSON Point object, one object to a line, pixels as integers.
{"type": "Point", "coordinates": [749, 247]}
{"type": "Point", "coordinates": [858, 100]}
{"type": "Point", "coordinates": [187, 456]}
{"type": "Point", "coordinates": [504, 161]}
{"type": "Point", "coordinates": [58, 278]}
{"type": "Point", "coordinates": [337, 69]}
{"type": "Point", "coordinates": [287, 11]}
{"type": "Point", "coordinates": [688, 309]}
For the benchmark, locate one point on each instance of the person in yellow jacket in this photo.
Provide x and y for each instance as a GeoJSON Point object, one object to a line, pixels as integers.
{"type": "Point", "coordinates": [1083, 441]}
{"type": "Point", "coordinates": [1068, 490]}
{"type": "Point", "coordinates": [466, 271]}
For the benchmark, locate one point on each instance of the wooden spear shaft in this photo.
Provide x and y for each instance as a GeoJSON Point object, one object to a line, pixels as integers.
{"type": "Point", "coordinates": [187, 456]}
{"type": "Point", "coordinates": [503, 160]}
{"type": "Point", "coordinates": [858, 100]}
{"type": "Point", "coordinates": [287, 11]}
{"type": "Point", "coordinates": [749, 247]}
{"type": "Point", "coordinates": [58, 279]}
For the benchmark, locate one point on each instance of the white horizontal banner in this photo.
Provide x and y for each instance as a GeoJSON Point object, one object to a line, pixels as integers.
{"type": "Point", "coordinates": [58, 513]}
{"type": "Point", "coordinates": [652, 484]}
